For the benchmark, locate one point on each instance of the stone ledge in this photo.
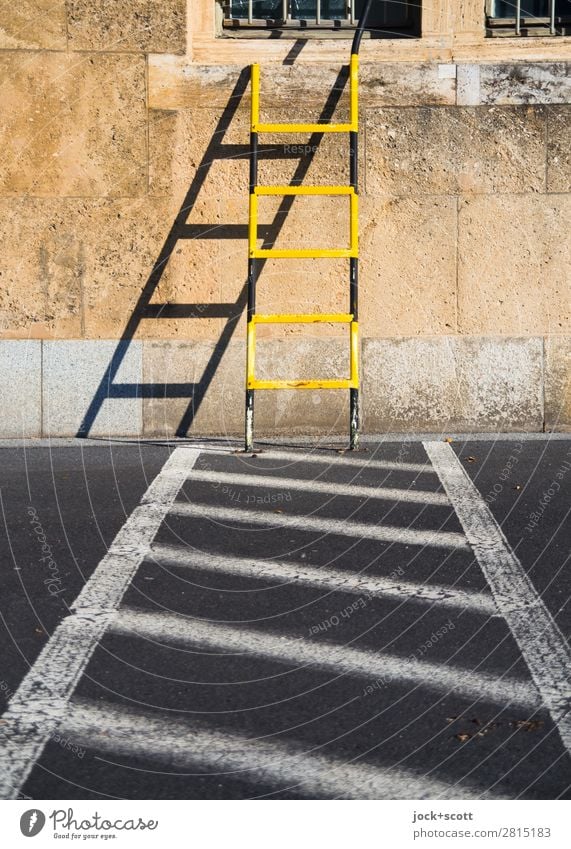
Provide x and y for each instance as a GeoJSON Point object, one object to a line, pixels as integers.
{"type": "Point", "coordinates": [175, 82]}
{"type": "Point", "coordinates": [460, 383]}
{"type": "Point", "coordinates": [72, 374]}
{"type": "Point", "coordinates": [20, 388]}
{"type": "Point", "coordinates": [558, 383]}
{"type": "Point", "coordinates": [479, 383]}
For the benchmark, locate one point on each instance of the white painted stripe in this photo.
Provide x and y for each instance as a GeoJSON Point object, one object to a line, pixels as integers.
{"type": "Point", "coordinates": [39, 704]}
{"type": "Point", "coordinates": [540, 641]}
{"type": "Point", "coordinates": [329, 579]}
{"type": "Point", "coordinates": [172, 629]}
{"type": "Point", "coordinates": [385, 533]}
{"type": "Point", "coordinates": [325, 487]}
{"type": "Point", "coordinates": [194, 750]}
{"type": "Point", "coordinates": [356, 461]}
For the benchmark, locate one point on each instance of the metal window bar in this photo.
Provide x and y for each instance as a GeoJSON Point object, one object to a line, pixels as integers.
{"type": "Point", "coordinates": [518, 17]}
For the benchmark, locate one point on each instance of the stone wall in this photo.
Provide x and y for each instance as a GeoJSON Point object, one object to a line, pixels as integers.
{"type": "Point", "coordinates": [123, 197]}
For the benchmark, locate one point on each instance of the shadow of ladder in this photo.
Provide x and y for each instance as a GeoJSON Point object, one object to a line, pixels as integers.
{"type": "Point", "coordinates": [109, 389]}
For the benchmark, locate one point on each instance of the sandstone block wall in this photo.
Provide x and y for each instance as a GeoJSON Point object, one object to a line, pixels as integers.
{"type": "Point", "coordinates": [123, 216]}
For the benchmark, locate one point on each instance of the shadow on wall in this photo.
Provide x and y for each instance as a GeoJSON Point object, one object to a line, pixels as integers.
{"type": "Point", "coordinates": [108, 389]}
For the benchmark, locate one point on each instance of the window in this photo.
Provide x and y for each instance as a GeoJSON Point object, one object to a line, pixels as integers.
{"type": "Point", "coordinates": [528, 17]}
{"type": "Point", "coordinates": [388, 18]}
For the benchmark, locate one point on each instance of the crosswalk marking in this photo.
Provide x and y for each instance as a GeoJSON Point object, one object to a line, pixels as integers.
{"type": "Point", "coordinates": [41, 700]}
{"type": "Point", "coordinates": [543, 646]}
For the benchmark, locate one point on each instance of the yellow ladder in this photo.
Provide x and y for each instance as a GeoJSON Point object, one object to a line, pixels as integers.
{"type": "Point", "coordinates": [351, 253]}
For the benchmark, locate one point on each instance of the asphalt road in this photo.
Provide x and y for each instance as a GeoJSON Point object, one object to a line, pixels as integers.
{"type": "Point", "coordinates": [295, 624]}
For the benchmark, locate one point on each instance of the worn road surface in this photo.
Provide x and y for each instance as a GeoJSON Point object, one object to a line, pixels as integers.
{"type": "Point", "coordinates": [192, 622]}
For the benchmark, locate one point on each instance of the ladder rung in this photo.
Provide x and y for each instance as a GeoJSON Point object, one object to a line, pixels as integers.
{"type": "Point", "coordinates": [304, 128]}
{"type": "Point", "coordinates": [302, 318]}
{"type": "Point", "coordinates": [352, 382]}
{"type": "Point", "coordinates": [304, 190]}
{"type": "Point", "coordinates": [310, 253]}
{"type": "Point", "coordinates": [344, 383]}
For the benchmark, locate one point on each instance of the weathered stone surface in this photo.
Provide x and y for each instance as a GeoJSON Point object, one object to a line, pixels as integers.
{"type": "Point", "coordinates": [42, 269]}
{"type": "Point", "coordinates": [405, 84]}
{"type": "Point", "coordinates": [72, 374]}
{"type": "Point", "coordinates": [451, 383]}
{"type": "Point", "coordinates": [558, 383]}
{"type": "Point", "coordinates": [468, 17]}
{"type": "Point", "coordinates": [157, 26]}
{"type": "Point", "coordinates": [455, 150]}
{"type": "Point", "coordinates": [514, 255]}
{"type": "Point", "coordinates": [444, 39]}
{"type": "Point", "coordinates": [33, 24]}
{"type": "Point", "coordinates": [140, 246]}
{"type": "Point", "coordinates": [20, 388]}
{"type": "Point", "coordinates": [527, 81]}
{"type": "Point", "coordinates": [559, 148]}
{"type": "Point", "coordinates": [205, 150]}
{"type": "Point", "coordinates": [430, 383]}
{"type": "Point", "coordinates": [175, 83]}
{"type": "Point", "coordinates": [408, 266]}
{"type": "Point", "coordinates": [468, 85]}
{"type": "Point", "coordinates": [312, 286]}
{"type": "Point", "coordinates": [74, 124]}
{"type": "Point", "coordinates": [305, 222]}
{"type": "Point", "coordinates": [88, 262]}
{"type": "Point", "coordinates": [209, 149]}
{"type": "Point", "coordinates": [173, 368]}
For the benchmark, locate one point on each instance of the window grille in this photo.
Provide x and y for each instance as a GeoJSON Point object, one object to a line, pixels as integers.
{"type": "Point", "coordinates": [528, 17]}
{"type": "Point", "coordinates": [387, 17]}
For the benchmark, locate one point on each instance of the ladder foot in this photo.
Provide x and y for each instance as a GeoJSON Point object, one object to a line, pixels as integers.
{"type": "Point", "coordinates": [249, 439]}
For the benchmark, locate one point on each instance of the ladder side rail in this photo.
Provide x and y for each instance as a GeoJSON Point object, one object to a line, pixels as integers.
{"type": "Point", "coordinates": [252, 262]}
{"type": "Point", "coordinates": [354, 412]}
{"type": "Point", "coordinates": [354, 405]}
